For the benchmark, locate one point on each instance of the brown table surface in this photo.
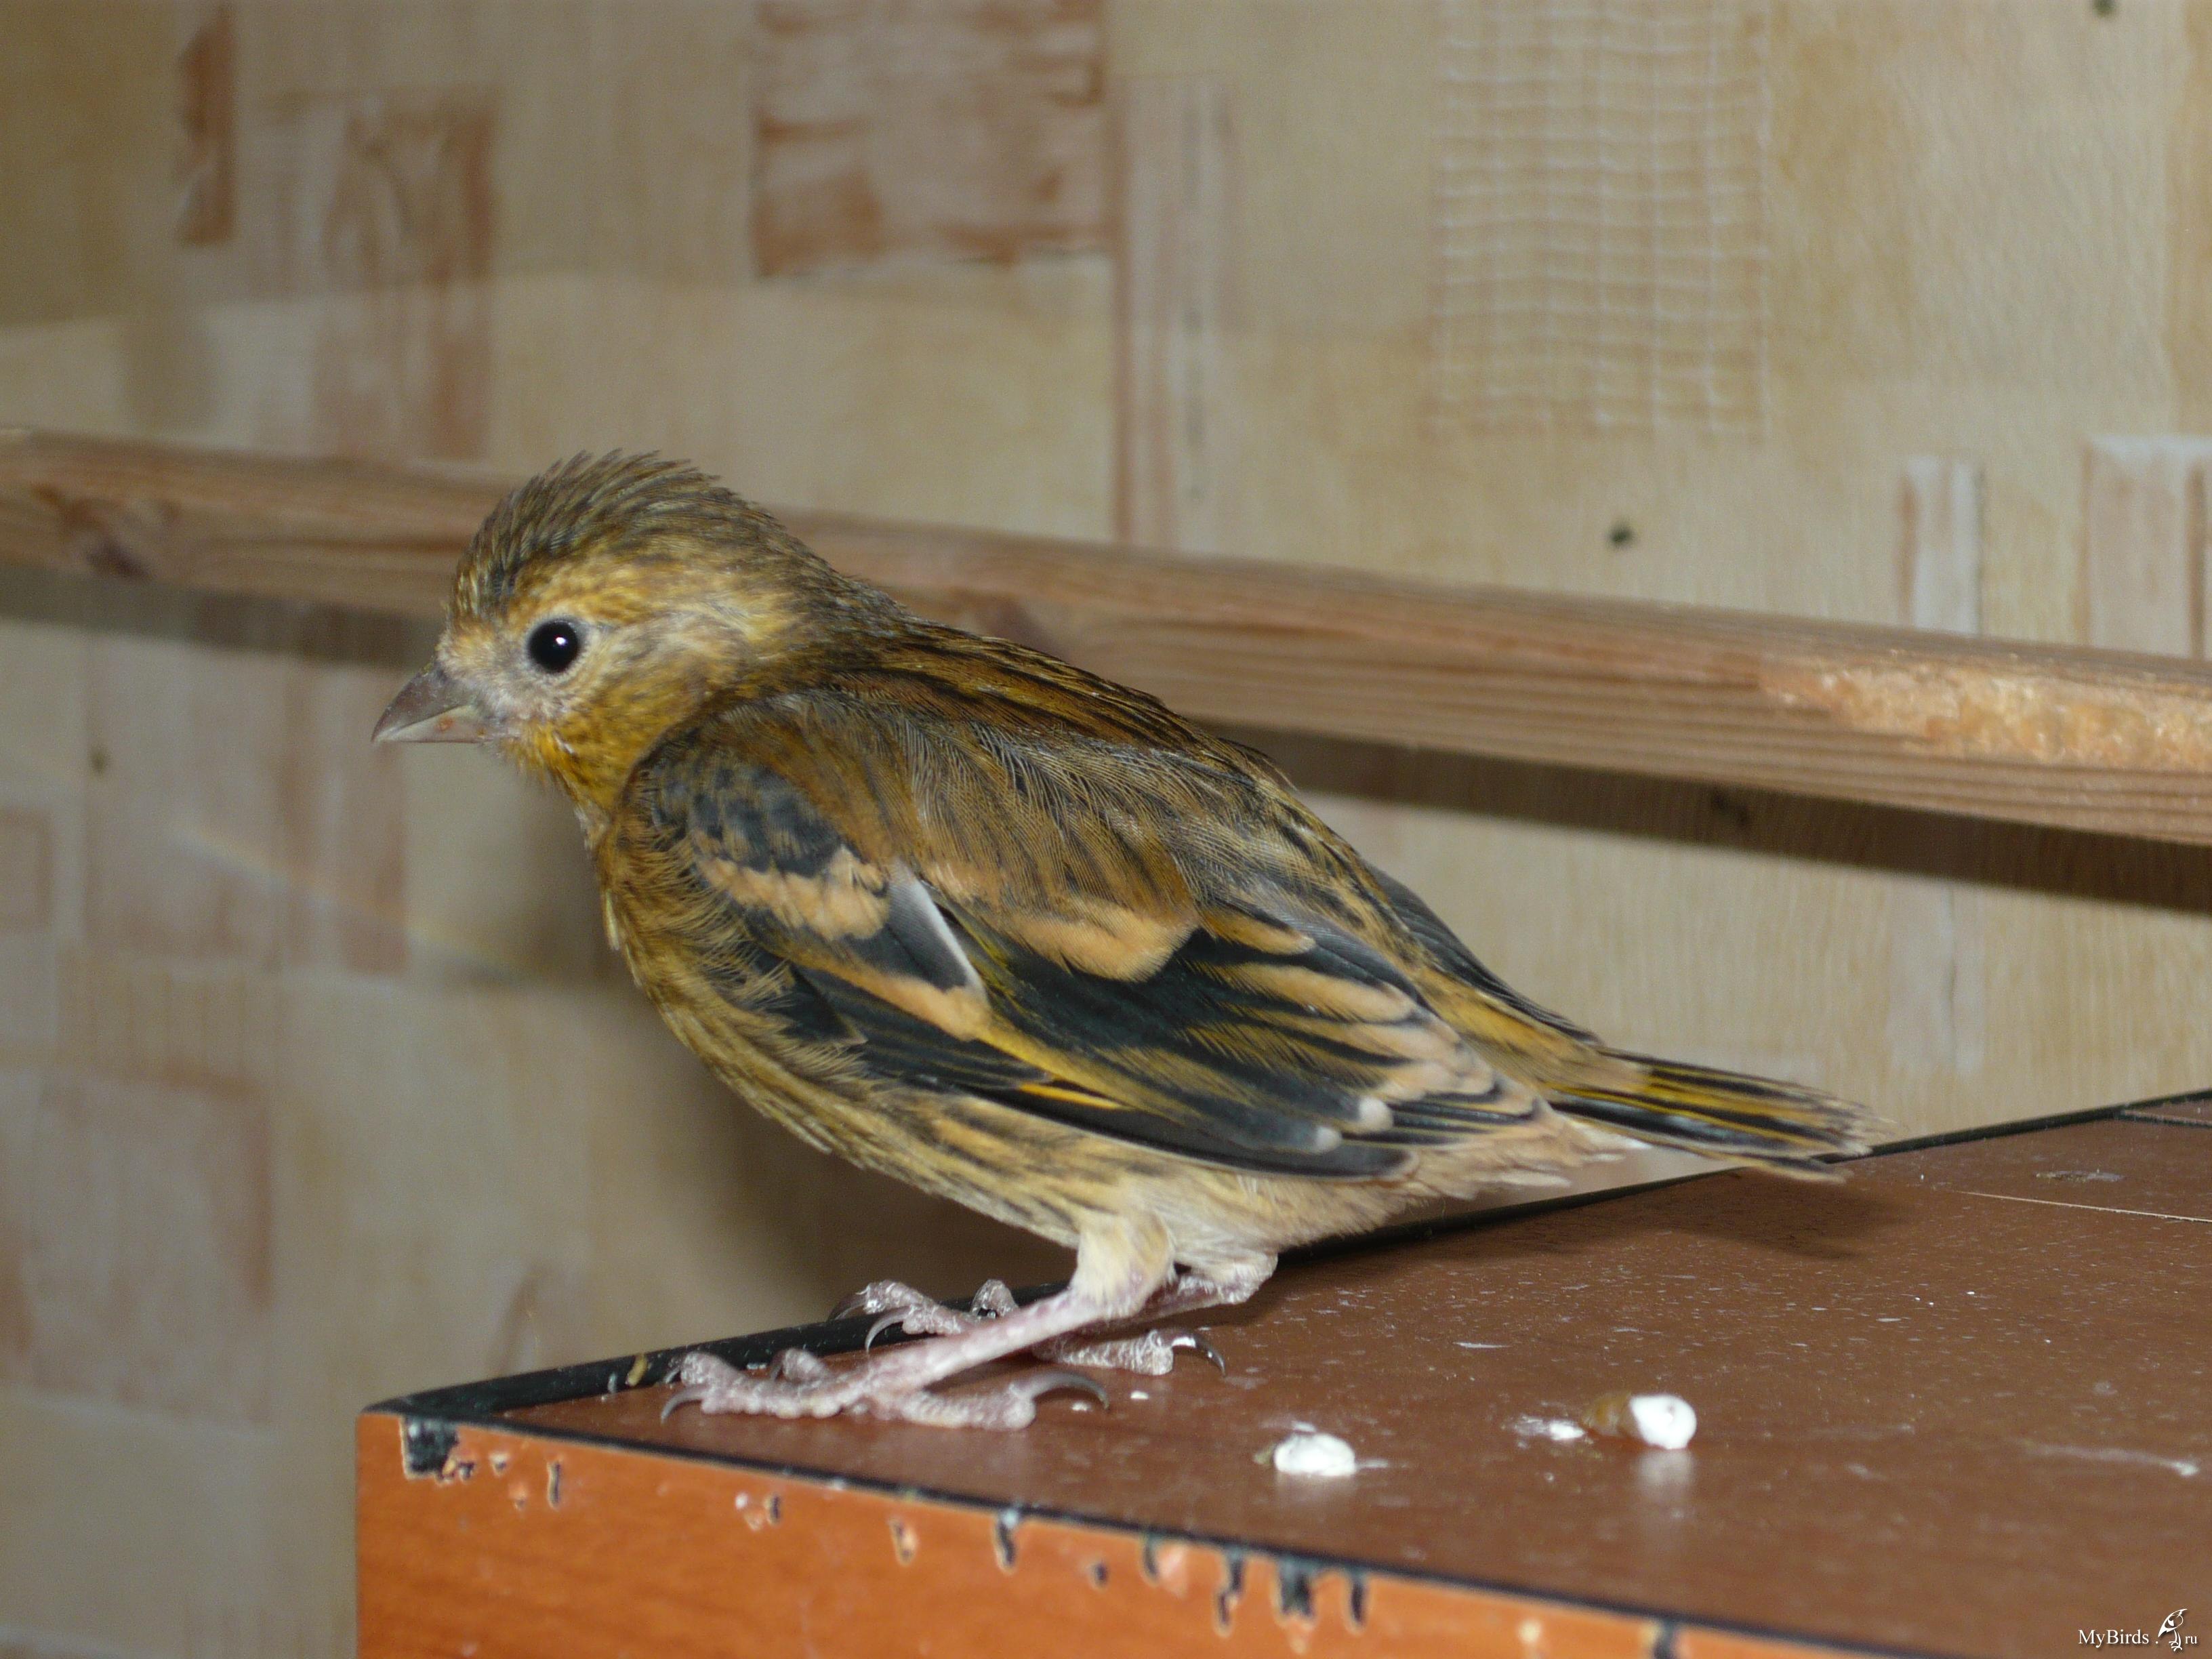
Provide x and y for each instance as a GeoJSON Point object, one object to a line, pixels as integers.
{"type": "Point", "coordinates": [1960, 1404]}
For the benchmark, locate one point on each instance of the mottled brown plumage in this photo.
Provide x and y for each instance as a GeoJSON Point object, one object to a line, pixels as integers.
{"type": "Point", "coordinates": [964, 913]}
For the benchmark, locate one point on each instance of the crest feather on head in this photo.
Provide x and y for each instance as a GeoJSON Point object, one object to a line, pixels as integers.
{"type": "Point", "coordinates": [613, 503]}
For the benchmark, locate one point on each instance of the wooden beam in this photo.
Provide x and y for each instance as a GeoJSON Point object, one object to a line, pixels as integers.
{"type": "Point", "coordinates": [2085, 739]}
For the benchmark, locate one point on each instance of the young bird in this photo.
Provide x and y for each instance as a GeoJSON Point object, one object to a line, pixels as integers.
{"type": "Point", "coordinates": [963, 913]}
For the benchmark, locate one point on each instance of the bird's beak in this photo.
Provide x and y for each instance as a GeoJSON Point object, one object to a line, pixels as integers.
{"type": "Point", "coordinates": [431, 708]}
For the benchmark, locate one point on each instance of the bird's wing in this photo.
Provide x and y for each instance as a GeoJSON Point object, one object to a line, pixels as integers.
{"type": "Point", "coordinates": [1125, 943]}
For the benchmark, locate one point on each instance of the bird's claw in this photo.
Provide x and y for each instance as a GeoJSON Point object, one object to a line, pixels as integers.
{"type": "Point", "coordinates": [1197, 1343]}
{"type": "Point", "coordinates": [1152, 1354]}
{"type": "Point", "coordinates": [710, 1383]}
{"type": "Point", "coordinates": [932, 1319]}
{"type": "Point", "coordinates": [701, 1375]}
{"type": "Point", "coordinates": [680, 1397]}
{"type": "Point", "coordinates": [882, 1296]}
{"type": "Point", "coordinates": [894, 1303]}
{"type": "Point", "coordinates": [1045, 1382]}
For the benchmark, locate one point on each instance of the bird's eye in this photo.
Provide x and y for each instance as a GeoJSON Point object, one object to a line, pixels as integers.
{"type": "Point", "coordinates": [554, 645]}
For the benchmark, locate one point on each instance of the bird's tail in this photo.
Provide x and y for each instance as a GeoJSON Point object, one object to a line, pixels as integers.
{"type": "Point", "coordinates": [1724, 1115]}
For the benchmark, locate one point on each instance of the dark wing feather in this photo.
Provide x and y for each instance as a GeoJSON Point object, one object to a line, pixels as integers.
{"type": "Point", "coordinates": [1245, 1031]}
{"type": "Point", "coordinates": [905, 1050]}
{"type": "Point", "coordinates": [1426, 925]}
{"type": "Point", "coordinates": [1291, 1047]}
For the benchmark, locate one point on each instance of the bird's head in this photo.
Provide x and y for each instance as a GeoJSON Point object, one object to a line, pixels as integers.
{"type": "Point", "coordinates": [606, 601]}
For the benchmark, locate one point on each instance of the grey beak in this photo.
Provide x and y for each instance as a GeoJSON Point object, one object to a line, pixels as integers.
{"type": "Point", "coordinates": [430, 708]}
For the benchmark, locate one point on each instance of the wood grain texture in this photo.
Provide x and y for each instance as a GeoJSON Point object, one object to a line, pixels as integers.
{"type": "Point", "coordinates": [947, 128]}
{"type": "Point", "coordinates": [207, 155]}
{"type": "Point", "coordinates": [1940, 551]}
{"type": "Point", "coordinates": [2032, 733]}
{"type": "Point", "coordinates": [1938, 991]}
{"type": "Point", "coordinates": [383, 203]}
{"type": "Point", "coordinates": [135, 1243]}
{"type": "Point", "coordinates": [1890, 715]}
{"type": "Point", "coordinates": [2142, 543]}
{"type": "Point", "coordinates": [184, 809]}
{"type": "Point", "coordinates": [1174, 453]}
{"type": "Point", "coordinates": [27, 873]}
{"type": "Point", "coordinates": [234, 813]}
{"type": "Point", "coordinates": [180, 1024]}
{"type": "Point", "coordinates": [1937, 977]}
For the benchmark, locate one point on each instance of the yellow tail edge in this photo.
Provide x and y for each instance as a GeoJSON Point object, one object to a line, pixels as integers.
{"type": "Point", "coordinates": [1724, 1115]}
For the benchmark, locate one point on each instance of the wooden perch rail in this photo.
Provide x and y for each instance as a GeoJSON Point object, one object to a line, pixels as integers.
{"type": "Point", "coordinates": [2044, 734]}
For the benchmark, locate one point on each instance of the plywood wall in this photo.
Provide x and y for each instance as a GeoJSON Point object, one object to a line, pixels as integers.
{"type": "Point", "coordinates": [315, 1083]}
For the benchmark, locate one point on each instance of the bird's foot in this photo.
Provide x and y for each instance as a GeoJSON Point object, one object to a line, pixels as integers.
{"type": "Point", "coordinates": [894, 1303]}
{"type": "Point", "coordinates": [882, 1297]}
{"type": "Point", "coordinates": [1152, 1354]}
{"type": "Point", "coordinates": [1009, 1406]}
{"type": "Point", "coordinates": [795, 1384]}
{"type": "Point", "coordinates": [798, 1384]}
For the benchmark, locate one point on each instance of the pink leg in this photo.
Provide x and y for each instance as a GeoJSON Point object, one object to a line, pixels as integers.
{"type": "Point", "coordinates": [1114, 1279]}
{"type": "Point", "coordinates": [1152, 1354]}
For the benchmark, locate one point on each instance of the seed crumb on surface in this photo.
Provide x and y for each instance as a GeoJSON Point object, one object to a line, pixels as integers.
{"type": "Point", "coordinates": [1314, 1455]}
{"type": "Point", "coordinates": [1665, 1422]}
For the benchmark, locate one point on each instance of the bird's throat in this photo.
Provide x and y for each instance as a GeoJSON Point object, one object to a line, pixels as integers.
{"type": "Point", "coordinates": [590, 761]}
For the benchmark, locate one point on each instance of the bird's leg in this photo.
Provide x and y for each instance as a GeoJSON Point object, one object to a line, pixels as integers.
{"type": "Point", "coordinates": [1152, 1353]}
{"type": "Point", "coordinates": [1114, 1277]}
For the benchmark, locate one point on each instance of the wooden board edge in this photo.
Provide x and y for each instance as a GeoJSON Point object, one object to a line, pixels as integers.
{"type": "Point", "coordinates": [521, 1543]}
